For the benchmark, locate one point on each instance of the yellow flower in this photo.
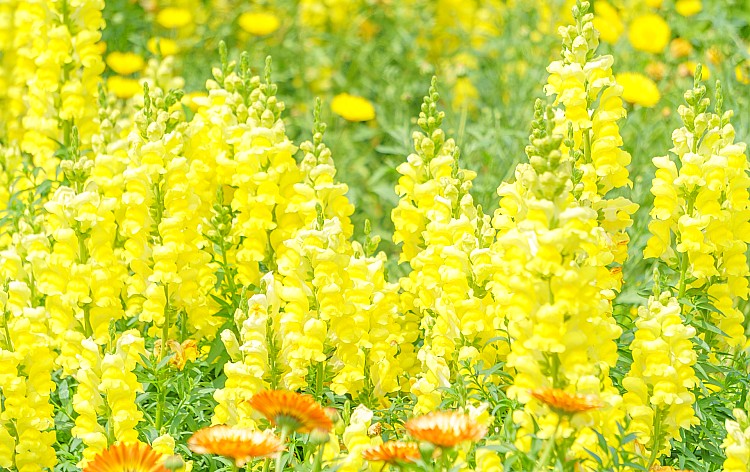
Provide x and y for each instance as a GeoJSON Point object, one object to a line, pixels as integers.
{"type": "Point", "coordinates": [656, 70]}
{"type": "Point", "coordinates": [123, 87]}
{"type": "Point", "coordinates": [688, 7]}
{"type": "Point", "coordinates": [259, 23]}
{"type": "Point", "coordinates": [352, 107]}
{"type": "Point", "coordinates": [162, 47]}
{"type": "Point", "coordinates": [649, 33]}
{"type": "Point", "coordinates": [742, 72]}
{"type": "Point", "coordinates": [687, 69]}
{"type": "Point", "coordinates": [607, 21]}
{"type": "Point", "coordinates": [680, 47]}
{"type": "Point", "coordinates": [638, 89]}
{"type": "Point", "coordinates": [125, 63]}
{"type": "Point", "coordinates": [172, 17]}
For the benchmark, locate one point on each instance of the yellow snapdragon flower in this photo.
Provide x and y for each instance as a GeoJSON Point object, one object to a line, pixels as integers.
{"type": "Point", "coordinates": [658, 397]}
{"type": "Point", "coordinates": [736, 445]}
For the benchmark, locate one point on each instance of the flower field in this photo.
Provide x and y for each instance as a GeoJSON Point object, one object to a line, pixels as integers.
{"type": "Point", "coordinates": [374, 235]}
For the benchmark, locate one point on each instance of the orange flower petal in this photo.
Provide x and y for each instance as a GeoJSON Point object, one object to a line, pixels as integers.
{"type": "Point", "coordinates": [239, 444]}
{"type": "Point", "coordinates": [445, 428]}
{"type": "Point", "coordinates": [392, 452]}
{"type": "Point", "coordinates": [133, 457]}
{"type": "Point", "coordinates": [565, 402]}
{"type": "Point", "coordinates": [291, 409]}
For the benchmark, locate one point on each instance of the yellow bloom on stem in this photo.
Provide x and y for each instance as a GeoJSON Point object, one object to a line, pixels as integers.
{"type": "Point", "coordinates": [608, 22]}
{"type": "Point", "coordinates": [123, 87]}
{"type": "Point", "coordinates": [133, 457]}
{"type": "Point", "coordinates": [162, 46]}
{"type": "Point", "coordinates": [259, 23]}
{"type": "Point", "coordinates": [172, 17]}
{"type": "Point", "coordinates": [125, 63]}
{"type": "Point", "coordinates": [688, 7]}
{"type": "Point", "coordinates": [680, 48]}
{"type": "Point", "coordinates": [742, 72]}
{"type": "Point", "coordinates": [239, 444]}
{"type": "Point", "coordinates": [352, 107]}
{"type": "Point", "coordinates": [736, 445]}
{"type": "Point", "coordinates": [649, 33]}
{"type": "Point", "coordinates": [638, 89]}
{"type": "Point", "coordinates": [445, 428]}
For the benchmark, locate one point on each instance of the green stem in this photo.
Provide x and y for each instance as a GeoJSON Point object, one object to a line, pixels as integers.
{"type": "Point", "coordinates": [587, 145]}
{"type": "Point", "coordinates": [547, 453]}
{"type": "Point", "coordinates": [319, 372]}
{"type": "Point", "coordinates": [657, 438]}
{"type": "Point", "coordinates": [161, 391]}
{"type": "Point", "coordinates": [318, 464]}
{"type": "Point", "coordinates": [279, 459]}
{"type": "Point", "coordinates": [6, 319]}
{"type": "Point", "coordinates": [266, 464]}
{"type": "Point", "coordinates": [684, 258]}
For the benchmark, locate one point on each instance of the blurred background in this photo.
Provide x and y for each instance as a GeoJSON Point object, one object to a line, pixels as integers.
{"type": "Point", "coordinates": [371, 62]}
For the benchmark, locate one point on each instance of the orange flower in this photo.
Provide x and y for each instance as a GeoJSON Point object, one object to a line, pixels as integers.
{"type": "Point", "coordinates": [291, 410]}
{"type": "Point", "coordinates": [239, 444]}
{"type": "Point", "coordinates": [445, 428]}
{"type": "Point", "coordinates": [666, 468]}
{"type": "Point", "coordinates": [566, 403]}
{"type": "Point", "coordinates": [392, 452]}
{"type": "Point", "coordinates": [133, 457]}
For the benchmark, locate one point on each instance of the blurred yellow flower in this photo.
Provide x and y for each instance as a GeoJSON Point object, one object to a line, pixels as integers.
{"type": "Point", "coordinates": [680, 47]}
{"type": "Point", "coordinates": [649, 33]}
{"type": "Point", "coordinates": [688, 7]}
{"type": "Point", "coordinates": [714, 55]}
{"type": "Point", "coordinates": [259, 23]}
{"type": "Point", "coordinates": [162, 47]}
{"type": "Point", "coordinates": [101, 47]}
{"type": "Point", "coordinates": [125, 63]}
{"type": "Point", "coordinates": [465, 94]}
{"type": "Point", "coordinates": [638, 89]}
{"type": "Point", "coordinates": [172, 17]}
{"type": "Point", "coordinates": [123, 87]}
{"type": "Point", "coordinates": [656, 70]}
{"type": "Point", "coordinates": [608, 22]}
{"type": "Point", "coordinates": [195, 100]}
{"type": "Point", "coordinates": [742, 72]}
{"type": "Point", "coordinates": [352, 107]}
{"type": "Point", "coordinates": [687, 69]}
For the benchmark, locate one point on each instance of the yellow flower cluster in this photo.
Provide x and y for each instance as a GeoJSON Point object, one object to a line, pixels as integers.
{"type": "Point", "coordinates": [700, 217]}
{"type": "Point", "coordinates": [736, 446]}
{"type": "Point", "coordinates": [26, 363]}
{"type": "Point", "coordinates": [589, 102]}
{"type": "Point", "coordinates": [446, 242]}
{"type": "Point", "coordinates": [549, 252]}
{"type": "Point", "coordinates": [658, 397]}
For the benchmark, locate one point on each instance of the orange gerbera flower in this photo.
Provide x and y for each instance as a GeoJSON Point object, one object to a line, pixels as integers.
{"type": "Point", "coordinates": [566, 403]}
{"type": "Point", "coordinates": [291, 410]}
{"type": "Point", "coordinates": [133, 457]}
{"type": "Point", "coordinates": [392, 452]}
{"type": "Point", "coordinates": [445, 428]}
{"type": "Point", "coordinates": [239, 444]}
